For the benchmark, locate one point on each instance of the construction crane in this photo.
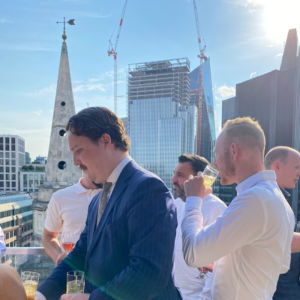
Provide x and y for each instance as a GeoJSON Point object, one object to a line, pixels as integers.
{"type": "Point", "coordinates": [113, 51]}
{"type": "Point", "coordinates": [202, 59]}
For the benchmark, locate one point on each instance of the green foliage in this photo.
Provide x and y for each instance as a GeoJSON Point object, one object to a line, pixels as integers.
{"type": "Point", "coordinates": [36, 162]}
{"type": "Point", "coordinates": [40, 168]}
{"type": "Point", "coordinates": [25, 168]}
{"type": "Point", "coordinates": [31, 168]}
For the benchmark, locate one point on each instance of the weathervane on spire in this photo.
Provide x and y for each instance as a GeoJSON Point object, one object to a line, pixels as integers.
{"type": "Point", "coordinates": [71, 22]}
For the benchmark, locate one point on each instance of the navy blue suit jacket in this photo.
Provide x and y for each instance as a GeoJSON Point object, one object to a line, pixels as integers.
{"type": "Point", "coordinates": [129, 256]}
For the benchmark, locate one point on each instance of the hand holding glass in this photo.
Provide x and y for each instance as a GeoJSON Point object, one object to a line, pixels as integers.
{"type": "Point", "coordinates": [68, 241]}
{"type": "Point", "coordinates": [75, 282]}
{"type": "Point", "coordinates": [210, 175]}
{"type": "Point", "coordinates": [30, 282]}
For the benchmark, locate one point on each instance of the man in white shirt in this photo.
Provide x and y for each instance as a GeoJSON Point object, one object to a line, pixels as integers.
{"type": "Point", "coordinates": [126, 249]}
{"type": "Point", "coordinates": [251, 241]}
{"type": "Point", "coordinates": [191, 288]}
{"type": "Point", "coordinates": [67, 211]}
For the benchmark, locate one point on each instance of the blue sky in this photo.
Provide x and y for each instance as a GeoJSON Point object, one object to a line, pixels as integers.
{"type": "Point", "coordinates": [244, 38]}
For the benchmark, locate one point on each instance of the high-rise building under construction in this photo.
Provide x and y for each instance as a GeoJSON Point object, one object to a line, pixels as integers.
{"type": "Point", "coordinates": [162, 123]}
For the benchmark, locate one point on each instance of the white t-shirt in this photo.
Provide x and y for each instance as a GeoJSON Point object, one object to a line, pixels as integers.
{"type": "Point", "coordinates": [191, 287]}
{"type": "Point", "coordinates": [67, 209]}
{"type": "Point", "coordinates": [2, 243]}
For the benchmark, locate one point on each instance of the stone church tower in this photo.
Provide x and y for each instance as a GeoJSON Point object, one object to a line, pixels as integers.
{"type": "Point", "coordinates": [60, 171]}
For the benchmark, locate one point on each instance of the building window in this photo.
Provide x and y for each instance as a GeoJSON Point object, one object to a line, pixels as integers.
{"type": "Point", "coordinates": [1, 176]}
{"type": "Point", "coordinates": [7, 162]}
{"type": "Point", "coordinates": [13, 177]}
{"type": "Point", "coordinates": [1, 143]}
{"type": "Point", "coordinates": [13, 147]}
{"type": "Point", "coordinates": [7, 169]}
{"type": "Point", "coordinates": [13, 155]}
{"type": "Point", "coordinates": [15, 233]}
{"type": "Point", "coordinates": [7, 147]}
{"type": "Point", "coordinates": [13, 184]}
{"type": "Point", "coordinates": [1, 154]}
{"type": "Point", "coordinates": [7, 184]}
{"type": "Point", "coordinates": [13, 169]}
{"type": "Point", "coordinates": [6, 154]}
{"type": "Point", "coordinates": [1, 169]}
{"type": "Point", "coordinates": [7, 176]}
{"type": "Point", "coordinates": [13, 162]}
{"type": "Point", "coordinates": [1, 184]}
{"type": "Point", "coordinates": [1, 162]}
{"type": "Point", "coordinates": [11, 234]}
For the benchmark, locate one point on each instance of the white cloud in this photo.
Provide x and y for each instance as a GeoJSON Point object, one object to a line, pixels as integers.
{"type": "Point", "coordinates": [79, 88]}
{"type": "Point", "coordinates": [252, 74]}
{"type": "Point", "coordinates": [225, 91]}
{"type": "Point", "coordinates": [38, 112]}
{"type": "Point", "coordinates": [95, 87]}
{"type": "Point", "coordinates": [45, 91]}
{"type": "Point", "coordinates": [279, 54]}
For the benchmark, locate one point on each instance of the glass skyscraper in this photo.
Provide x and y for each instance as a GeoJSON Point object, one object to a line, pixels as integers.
{"type": "Point", "coordinates": [162, 123]}
{"type": "Point", "coordinates": [208, 123]}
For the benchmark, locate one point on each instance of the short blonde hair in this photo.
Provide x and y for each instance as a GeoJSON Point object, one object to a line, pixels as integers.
{"type": "Point", "coordinates": [247, 131]}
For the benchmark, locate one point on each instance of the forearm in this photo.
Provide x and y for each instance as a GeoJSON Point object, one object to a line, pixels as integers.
{"type": "Point", "coordinates": [52, 247]}
{"type": "Point", "coordinates": [296, 243]}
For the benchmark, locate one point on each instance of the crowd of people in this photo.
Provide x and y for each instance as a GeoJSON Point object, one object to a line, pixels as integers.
{"type": "Point", "coordinates": [135, 242]}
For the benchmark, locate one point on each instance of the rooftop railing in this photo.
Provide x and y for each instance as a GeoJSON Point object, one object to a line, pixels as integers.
{"type": "Point", "coordinates": [33, 259]}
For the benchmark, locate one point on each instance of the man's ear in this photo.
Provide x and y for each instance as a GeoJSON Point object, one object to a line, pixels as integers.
{"type": "Point", "coordinates": [276, 165]}
{"type": "Point", "coordinates": [105, 139]}
{"type": "Point", "coordinates": [234, 150]}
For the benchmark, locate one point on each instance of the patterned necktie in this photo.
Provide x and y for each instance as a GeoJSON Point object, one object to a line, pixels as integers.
{"type": "Point", "coordinates": [103, 200]}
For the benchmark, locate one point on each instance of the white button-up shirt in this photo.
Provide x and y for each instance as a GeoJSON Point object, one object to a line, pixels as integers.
{"type": "Point", "coordinates": [251, 240]}
{"type": "Point", "coordinates": [191, 287]}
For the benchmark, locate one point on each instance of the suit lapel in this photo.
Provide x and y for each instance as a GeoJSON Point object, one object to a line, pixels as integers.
{"type": "Point", "coordinates": [117, 192]}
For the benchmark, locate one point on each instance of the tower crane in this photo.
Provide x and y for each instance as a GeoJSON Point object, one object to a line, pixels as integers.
{"type": "Point", "coordinates": [202, 59]}
{"type": "Point", "coordinates": [113, 51]}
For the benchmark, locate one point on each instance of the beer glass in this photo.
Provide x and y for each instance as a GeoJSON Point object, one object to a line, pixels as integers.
{"type": "Point", "coordinates": [210, 175]}
{"type": "Point", "coordinates": [75, 282]}
{"type": "Point", "coordinates": [30, 282]}
{"type": "Point", "coordinates": [68, 241]}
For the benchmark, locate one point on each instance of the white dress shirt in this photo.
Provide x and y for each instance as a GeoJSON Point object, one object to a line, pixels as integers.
{"type": "Point", "coordinates": [191, 287]}
{"type": "Point", "coordinates": [251, 240]}
{"type": "Point", "coordinates": [2, 243]}
{"type": "Point", "coordinates": [67, 209]}
{"type": "Point", "coordinates": [113, 177]}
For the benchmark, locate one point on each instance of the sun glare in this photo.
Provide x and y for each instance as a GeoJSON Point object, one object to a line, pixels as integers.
{"type": "Point", "coordinates": [279, 17]}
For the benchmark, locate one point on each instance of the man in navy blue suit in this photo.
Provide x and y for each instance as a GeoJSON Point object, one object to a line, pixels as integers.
{"type": "Point", "coordinates": [126, 248]}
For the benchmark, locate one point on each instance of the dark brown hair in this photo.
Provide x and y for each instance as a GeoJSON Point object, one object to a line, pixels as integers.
{"type": "Point", "coordinates": [197, 162]}
{"type": "Point", "coordinates": [93, 122]}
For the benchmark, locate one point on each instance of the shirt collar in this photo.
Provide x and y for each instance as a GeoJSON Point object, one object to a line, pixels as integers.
{"type": "Point", "coordinates": [254, 179]}
{"type": "Point", "coordinates": [80, 189]}
{"type": "Point", "coordinates": [113, 177]}
{"type": "Point", "coordinates": [285, 193]}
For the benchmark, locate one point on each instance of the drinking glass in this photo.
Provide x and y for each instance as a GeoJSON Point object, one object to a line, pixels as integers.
{"type": "Point", "coordinates": [75, 282]}
{"type": "Point", "coordinates": [30, 282]}
{"type": "Point", "coordinates": [68, 241]}
{"type": "Point", "coordinates": [210, 175]}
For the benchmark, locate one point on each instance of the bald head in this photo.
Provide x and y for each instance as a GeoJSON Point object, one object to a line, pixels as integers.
{"type": "Point", "coordinates": [285, 161]}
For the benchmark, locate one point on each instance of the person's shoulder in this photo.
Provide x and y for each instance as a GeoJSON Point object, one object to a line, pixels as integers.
{"type": "Point", "coordinates": [214, 201]}
{"type": "Point", "coordinates": [64, 192]}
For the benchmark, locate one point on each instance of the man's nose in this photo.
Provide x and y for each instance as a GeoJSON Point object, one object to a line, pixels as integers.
{"type": "Point", "coordinates": [76, 160]}
{"type": "Point", "coordinates": [173, 179]}
{"type": "Point", "coordinates": [214, 162]}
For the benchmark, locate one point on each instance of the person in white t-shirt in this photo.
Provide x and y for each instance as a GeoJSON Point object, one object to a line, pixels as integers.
{"type": "Point", "coordinates": [67, 212]}
{"type": "Point", "coordinates": [192, 288]}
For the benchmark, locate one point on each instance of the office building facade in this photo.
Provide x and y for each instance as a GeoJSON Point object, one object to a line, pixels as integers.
{"type": "Point", "coordinates": [161, 119]}
{"type": "Point", "coordinates": [30, 181]}
{"type": "Point", "coordinates": [12, 157]}
{"type": "Point", "coordinates": [273, 99]}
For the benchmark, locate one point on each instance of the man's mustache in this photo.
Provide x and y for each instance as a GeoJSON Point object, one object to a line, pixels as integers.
{"type": "Point", "coordinates": [175, 183]}
{"type": "Point", "coordinates": [82, 167]}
